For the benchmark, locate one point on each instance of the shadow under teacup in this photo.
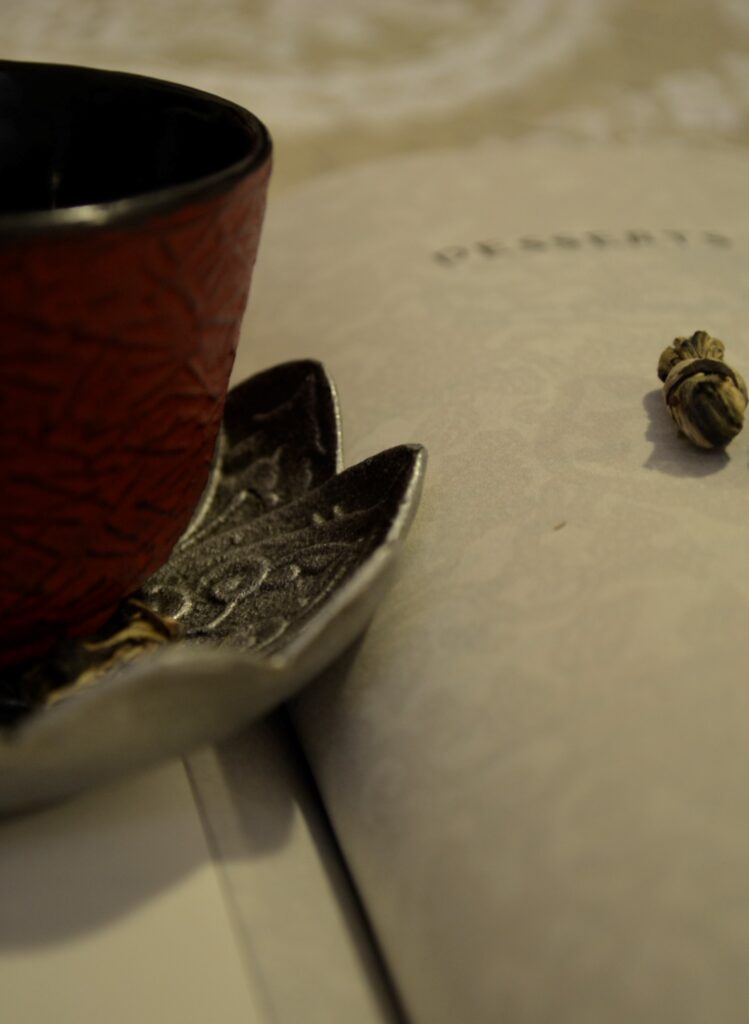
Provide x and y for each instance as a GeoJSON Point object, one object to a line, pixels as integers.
{"type": "Point", "coordinates": [130, 213]}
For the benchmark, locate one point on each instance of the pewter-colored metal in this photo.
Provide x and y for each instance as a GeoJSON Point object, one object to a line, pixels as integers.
{"type": "Point", "coordinates": [705, 396]}
{"type": "Point", "coordinates": [282, 567]}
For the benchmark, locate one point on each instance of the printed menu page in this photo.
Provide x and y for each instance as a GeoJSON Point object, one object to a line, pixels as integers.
{"type": "Point", "coordinates": [535, 760]}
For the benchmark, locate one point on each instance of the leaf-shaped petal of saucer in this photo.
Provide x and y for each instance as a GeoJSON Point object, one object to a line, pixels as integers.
{"type": "Point", "coordinates": [281, 568]}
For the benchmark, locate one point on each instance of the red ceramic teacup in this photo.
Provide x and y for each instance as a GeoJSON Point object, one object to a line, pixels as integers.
{"type": "Point", "coordinates": [130, 212]}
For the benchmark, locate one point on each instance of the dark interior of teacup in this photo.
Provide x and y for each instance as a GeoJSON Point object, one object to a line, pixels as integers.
{"type": "Point", "coordinates": [75, 136]}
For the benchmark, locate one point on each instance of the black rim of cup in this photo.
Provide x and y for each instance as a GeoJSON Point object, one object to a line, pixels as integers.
{"type": "Point", "coordinates": [179, 145]}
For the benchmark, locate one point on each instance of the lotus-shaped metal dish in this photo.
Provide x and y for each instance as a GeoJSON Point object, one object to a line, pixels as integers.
{"type": "Point", "coordinates": [281, 568]}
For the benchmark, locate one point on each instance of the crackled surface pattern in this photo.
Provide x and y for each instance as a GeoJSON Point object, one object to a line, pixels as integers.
{"type": "Point", "coordinates": [176, 285]}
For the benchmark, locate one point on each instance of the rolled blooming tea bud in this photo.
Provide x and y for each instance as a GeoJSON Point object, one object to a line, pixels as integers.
{"type": "Point", "coordinates": [705, 397]}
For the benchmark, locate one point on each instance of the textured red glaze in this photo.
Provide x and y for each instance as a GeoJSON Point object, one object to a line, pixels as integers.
{"type": "Point", "coordinates": [117, 344]}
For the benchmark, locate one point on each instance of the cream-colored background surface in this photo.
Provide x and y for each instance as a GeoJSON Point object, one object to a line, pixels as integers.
{"type": "Point", "coordinates": [181, 898]}
{"type": "Point", "coordinates": [339, 81]}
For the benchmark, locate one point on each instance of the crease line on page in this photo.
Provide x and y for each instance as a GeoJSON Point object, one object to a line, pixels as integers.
{"type": "Point", "coordinates": [342, 883]}
{"type": "Point", "coordinates": [254, 978]}
{"type": "Point", "coordinates": [351, 901]}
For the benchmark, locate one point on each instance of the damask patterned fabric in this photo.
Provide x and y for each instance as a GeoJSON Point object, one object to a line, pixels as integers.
{"type": "Point", "coordinates": [339, 81]}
